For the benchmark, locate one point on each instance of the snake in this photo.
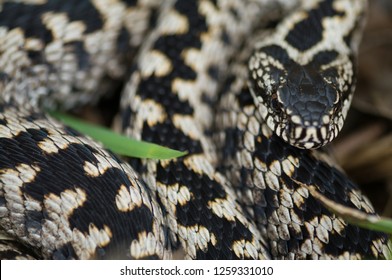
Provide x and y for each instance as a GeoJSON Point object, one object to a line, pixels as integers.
{"type": "Point", "coordinates": [242, 196]}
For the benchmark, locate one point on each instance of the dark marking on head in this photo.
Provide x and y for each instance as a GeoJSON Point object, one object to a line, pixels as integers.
{"type": "Point", "coordinates": [308, 32]}
{"type": "Point", "coordinates": [278, 53]}
{"type": "Point", "coordinates": [324, 57]}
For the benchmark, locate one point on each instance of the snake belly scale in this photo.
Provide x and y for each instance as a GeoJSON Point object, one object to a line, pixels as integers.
{"type": "Point", "coordinates": [63, 196]}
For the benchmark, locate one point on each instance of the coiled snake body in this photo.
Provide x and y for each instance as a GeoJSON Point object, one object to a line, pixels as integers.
{"type": "Point", "coordinates": [62, 196]}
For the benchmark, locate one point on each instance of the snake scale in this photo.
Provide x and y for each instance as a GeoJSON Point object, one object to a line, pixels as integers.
{"type": "Point", "coordinates": [62, 196]}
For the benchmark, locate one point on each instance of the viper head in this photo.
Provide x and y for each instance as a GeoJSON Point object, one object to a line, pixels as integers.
{"type": "Point", "coordinates": [304, 104]}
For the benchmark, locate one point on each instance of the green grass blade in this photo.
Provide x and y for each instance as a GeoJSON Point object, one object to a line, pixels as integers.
{"type": "Point", "coordinates": [380, 224]}
{"type": "Point", "coordinates": [351, 215]}
{"type": "Point", "coordinates": [117, 143]}
{"type": "Point", "coordinates": [354, 216]}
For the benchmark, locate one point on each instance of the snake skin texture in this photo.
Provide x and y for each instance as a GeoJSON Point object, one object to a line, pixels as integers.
{"type": "Point", "coordinates": [62, 196]}
{"type": "Point", "coordinates": [66, 197]}
{"type": "Point", "coordinates": [64, 52]}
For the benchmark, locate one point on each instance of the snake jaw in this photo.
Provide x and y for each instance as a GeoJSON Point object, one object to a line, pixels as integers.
{"type": "Point", "coordinates": [310, 137]}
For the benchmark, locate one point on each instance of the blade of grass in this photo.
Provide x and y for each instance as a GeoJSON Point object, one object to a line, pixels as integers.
{"type": "Point", "coordinates": [351, 215]}
{"type": "Point", "coordinates": [355, 217]}
{"type": "Point", "coordinates": [118, 143]}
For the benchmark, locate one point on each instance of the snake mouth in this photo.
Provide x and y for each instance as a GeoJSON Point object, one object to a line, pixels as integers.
{"type": "Point", "coordinates": [305, 136]}
{"type": "Point", "coordinates": [298, 133]}
{"type": "Point", "coordinates": [311, 137]}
